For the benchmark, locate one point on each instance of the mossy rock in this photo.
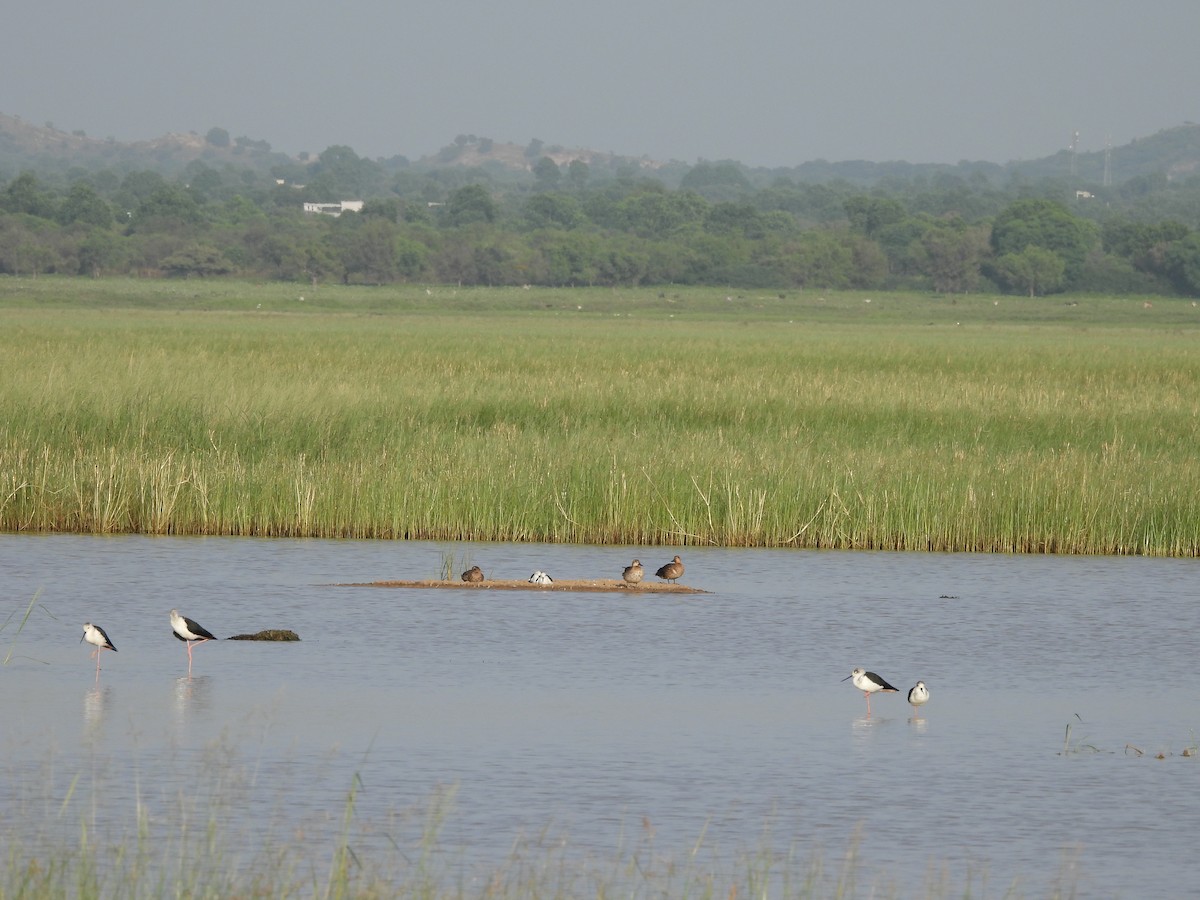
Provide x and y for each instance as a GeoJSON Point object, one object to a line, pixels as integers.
{"type": "Point", "coordinates": [270, 634]}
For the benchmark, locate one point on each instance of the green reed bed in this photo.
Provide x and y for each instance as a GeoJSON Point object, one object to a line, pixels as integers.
{"type": "Point", "coordinates": [653, 422]}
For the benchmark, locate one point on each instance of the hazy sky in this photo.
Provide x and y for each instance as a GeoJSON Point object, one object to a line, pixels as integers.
{"type": "Point", "coordinates": [766, 82]}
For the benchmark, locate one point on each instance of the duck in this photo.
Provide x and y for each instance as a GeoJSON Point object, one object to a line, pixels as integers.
{"type": "Point", "coordinates": [672, 570]}
{"type": "Point", "coordinates": [473, 574]}
{"type": "Point", "coordinates": [634, 572]}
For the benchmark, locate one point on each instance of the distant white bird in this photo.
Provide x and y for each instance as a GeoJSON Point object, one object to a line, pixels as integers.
{"type": "Point", "coordinates": [189, 631]}
{"type": "Point", "coordinates": [96, 636]}
{"type": "Point", "coordinates": [869, 683]}
{"type": "Point", "coordinates": [540, 577]}
{"type": "Point", "coordinates": [918, 696]}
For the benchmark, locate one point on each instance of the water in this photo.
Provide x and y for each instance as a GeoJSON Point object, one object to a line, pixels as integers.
{"type": "Point", "coordinates": [598, 724]}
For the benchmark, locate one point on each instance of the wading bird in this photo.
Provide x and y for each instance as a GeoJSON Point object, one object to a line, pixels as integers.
{"type": "Point", "coordinates": [190, 632]}
{"type": "Point", "coordinates": [869, 683]}
{"type": "Point", "coordinates": [96, 636]}
{"type": "Point", "coordinates": [918, 696]}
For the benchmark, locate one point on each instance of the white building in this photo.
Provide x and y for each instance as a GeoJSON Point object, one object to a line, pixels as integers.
{"type": "Point", "coordinates": [334, 209]}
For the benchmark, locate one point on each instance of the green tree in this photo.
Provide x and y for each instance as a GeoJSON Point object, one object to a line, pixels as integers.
{"type": "Point", "coordinates": [577, 174]}
{"type": "Point", "coordinates": [735, 219]}
{"type": "Point", "coordinates": [25, 195]}
{"type": "Point", "coordinates": [657, 213]}
{"type": "Point", "coordinates": [546, 175]}
{"type": "Point", "coordinates": [717, 181]}
{"type": "Point", "coordinates": [169, 206]}
{"type": "Point", "coordinates": [469, 205]}
{"type": "Point", "coordinates": [818, 258]}
{"type": "Point", "coordinates": [367, 250]}
{"type": "Point", "coordinates": [218, 137]}
{"type": "Point", "coordinates": [26, 245]}
{"type": "Point", "coordinates": [340, 174]}
{"type": "Point", "coordinates": [83, 204]}
{"type": "Point", "coordinates": [1144, 244]}
{"type": "Point", "coordinates": [100, 251]}
{"type": "Point", "coordinates": [1183, 264]}
{"type": "Point", "coordinates": [137, 187]}
{"type": "Point", "coordinates": [1033, 269]}
{"type": "Point", "coordinates": [1046, 225]}
{"type": "Point", "coordinates": [870, 215]}
{"type": "Point", "coordinates": [412, 257]}
{"type": "Point", "coordinates": [551, 210]}
{"type": "Point", "coordinates": [950, 255]}
{"type": "Point", "coordinates": [200, 260]}
{"type": "Point", "coordinates": [567, 258]}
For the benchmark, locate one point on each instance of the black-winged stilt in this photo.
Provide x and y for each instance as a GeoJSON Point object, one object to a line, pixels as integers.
{"type": "Point", "coordinates": [869, 683]}
{"type": "Point", "coordinates": [634, 573]}
{"type": "Point", "coordinates": [672, 570]}
{"type": "Point", "coordinates": [96, 636]}
{"type": "Point", "coordinates": [190, 632]}
{"type": "Point", "coordinates": [473, 574]}
{"type": "Point", "coordinates": [918, 696]}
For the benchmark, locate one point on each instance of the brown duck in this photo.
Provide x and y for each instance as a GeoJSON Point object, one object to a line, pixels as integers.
{"type": "Point", "coordinates": [672, 570]}
{"type": "Point", "coordinates": [473, 574]}
{"type": "Point", "coordinates": [634, 573]}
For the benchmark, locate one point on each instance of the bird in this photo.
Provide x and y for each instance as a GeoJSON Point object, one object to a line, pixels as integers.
{"type": "Point", "coordinates": [634, 573]}
{"type": "Point", "coordinates": [672, 570]}
{"type": "Point", "coordinates": [869, 683]}
{"type": "Point", "coordinates": [918, 696]}
{"type": "Point", "coordinates": [189, 631]}
{"type": "Point", "coordinates": [473, 574]}
{"type": "Point", "coordinates": [96, 635]}
{"type": "Point", "coordinates": [540, 577]}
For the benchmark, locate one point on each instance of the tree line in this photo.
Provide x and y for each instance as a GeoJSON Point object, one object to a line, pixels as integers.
{"type": "Point", "coordinates": [567, 225]}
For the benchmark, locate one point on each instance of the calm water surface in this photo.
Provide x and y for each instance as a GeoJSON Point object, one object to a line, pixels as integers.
{"type": "Point", "coordinates": [601, 723]}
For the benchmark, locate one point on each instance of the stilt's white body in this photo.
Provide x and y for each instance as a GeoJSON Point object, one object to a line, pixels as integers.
{"type": "Point", "coordinates": [191, 632]}
{"type": "Point", "coordinates": [919, 695]}
{"type": "Point", "coordinates": [96, 636]}
{"type": "Point", "coordinates": [869, 683]}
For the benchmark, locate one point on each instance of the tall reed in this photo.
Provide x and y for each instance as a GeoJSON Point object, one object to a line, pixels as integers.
{"type": "Point", "coordinates": [635, 428]}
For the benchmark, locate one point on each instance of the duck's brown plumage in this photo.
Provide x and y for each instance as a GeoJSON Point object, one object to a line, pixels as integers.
{"type": "Point", "coordinates": [672, 570]}
{"type": "Point", "coordinates": [473, 574]}
{"type": "Point", "coordinates": [634, 573]}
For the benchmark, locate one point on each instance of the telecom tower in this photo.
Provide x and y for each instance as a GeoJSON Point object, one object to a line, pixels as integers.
{"type": "Point", "coordinates": [1108, 161]}
{"type": "Point", "coordinates": [1074, 151]}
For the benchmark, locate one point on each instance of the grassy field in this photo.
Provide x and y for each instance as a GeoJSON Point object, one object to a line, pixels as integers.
{"type": "Point", "coordinates": [641, 416]}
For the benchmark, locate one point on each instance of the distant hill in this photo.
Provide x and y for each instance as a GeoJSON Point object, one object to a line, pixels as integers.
{"type": "Point", "coordinates": [471, 151]}
{"type": "Point", "coordinates": [1172, 152]}
{"type": "Point", "coordinates": [45, 148]}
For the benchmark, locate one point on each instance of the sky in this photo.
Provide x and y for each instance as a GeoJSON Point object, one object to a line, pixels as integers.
{"type": "Point", "coordinates": [764, 82]}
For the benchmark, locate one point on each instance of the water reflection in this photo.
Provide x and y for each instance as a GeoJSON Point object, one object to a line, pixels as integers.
{"type": "Point", "coordinates": [96, 703]}
{"type": "Point", "coordinates": [193, 694]}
